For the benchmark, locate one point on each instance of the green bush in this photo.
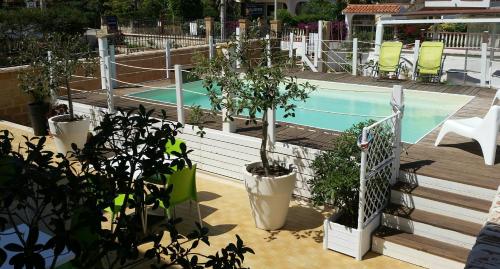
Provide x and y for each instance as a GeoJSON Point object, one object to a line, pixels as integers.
{"type": "Point", "coordinates": [336, 174]}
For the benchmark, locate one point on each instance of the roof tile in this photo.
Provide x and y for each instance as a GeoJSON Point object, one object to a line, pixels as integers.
{"type": "Point", "coordinates": [372, 9]}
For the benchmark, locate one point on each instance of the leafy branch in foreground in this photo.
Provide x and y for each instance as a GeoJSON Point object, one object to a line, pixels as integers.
{"type": "Point", "coordinates": [66, 199]}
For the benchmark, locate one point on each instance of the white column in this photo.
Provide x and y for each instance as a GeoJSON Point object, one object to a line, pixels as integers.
{"type": "Point", "coordinates": [379, 37]}
{"type": "Point", "coordinates": [304, 49]}
{"type": "Point", "coordinates": [397, 102]}
{"type": "Point", "coordinates": [113, 65]}
{"type": "Point", "coordinates": [354, 57]}
{"type": "Point", "coordinates": [167, 58]}
{"type": "Point", "coordinates": [319, 45]}
{"type": "Point", "coordinates": [484, 64]}
{"type": "Point", "coordinates": [268, 51]}
{"type": "Point", "coordinates": [290, 46]}
{"type": "Point", "coordinates": [271, 128]}
{"type": "Point", "coordinates": [53, 91]}
{"type": "Point", "coordinates": [178, 94]}
{"type": "Point", "coordinates": [238, 47]}
{"type": "Point", "coordinates": [211, 47]}
{"type": "Point", "coordinates": [103, 48]}
{"type": "Point", "coordinates": [416, 51]}
{"type": "Point", "coordinates": [109, 84]}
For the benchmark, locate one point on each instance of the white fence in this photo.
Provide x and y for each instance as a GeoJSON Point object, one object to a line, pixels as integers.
{"type": "Point", "coordinates": [463, 40]}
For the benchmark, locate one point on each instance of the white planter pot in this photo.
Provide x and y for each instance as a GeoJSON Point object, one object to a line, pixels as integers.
{"type": "Point", "coordinates": [347, 240]}
{"type": "Point", "coordinates": [67, 132]}
{"type": "Point", "coordinates": [269, 197]}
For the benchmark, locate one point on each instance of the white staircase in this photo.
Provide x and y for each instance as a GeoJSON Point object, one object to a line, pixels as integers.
{"type": "Point", "coordinates": [432, 222]}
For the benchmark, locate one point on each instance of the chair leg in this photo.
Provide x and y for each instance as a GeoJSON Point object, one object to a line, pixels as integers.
{"type": "Point", "coordinates": [444, 130]}
{"type": "Point", "coordinates": [112, 220]}
{"type": "Point", "coordinates": [145, 219]}
{"type": "Point", "coordinates": [489, 151]}
{"type": "Point", "coordinates": [199, 213]}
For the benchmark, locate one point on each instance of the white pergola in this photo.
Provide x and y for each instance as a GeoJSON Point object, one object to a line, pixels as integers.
{"type": "Point", "coordinates": [380, 25]}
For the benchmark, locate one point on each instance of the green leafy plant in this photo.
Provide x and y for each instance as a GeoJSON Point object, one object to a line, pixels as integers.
{"type": "Point", "coordinates": [66, 199]}
{"type": "Point", "coordinates": [255, 91]}
{"type": "Point", "coordinates": [336, 174]}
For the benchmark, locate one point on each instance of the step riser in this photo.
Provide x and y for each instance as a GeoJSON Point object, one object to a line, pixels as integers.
{"type": "Point", "coordinates": [448, 186]}
{"type": "Point", "coordinates": [436, 207]}
{"type": "Point", "coordinates": [413, 256]}
{"type": "Point", "coordinates": [429, 231]}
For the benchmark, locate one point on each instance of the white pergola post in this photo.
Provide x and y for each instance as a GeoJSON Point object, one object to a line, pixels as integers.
{"type": "Point", "coordinates": [102, 42]}
{"type": "Point", "coordinates": [416, 51]}
{"type": "Point", "coordinates": [109, 84]}
{"type": "Point", "coordinates": [354, 66]}
{"type": "Point", "coordinates": [178, 94]}
{"type": "Point", "coordinates": [211, 51]}
{"type": "Point", "coordinates": [268, 50]}
{"type": "Point", "coordinates": [290, 46]}
{"type": "Point", "coordinates": [304, 46]}
{"type": "Point", "coordinates": [271, 127]}
{"type": "Point", "coordinates": [379, 34]}
{"type": "Point", "coordinates": [113, 65]}
{"type": "Point", "coordinates": [397, 102]}
{"type": "Point", "coordinates": [167, 58]}
{"type": "Point", "coordinates": [319, 43]}
{"type": "Point", "coordinates": [484, 64]}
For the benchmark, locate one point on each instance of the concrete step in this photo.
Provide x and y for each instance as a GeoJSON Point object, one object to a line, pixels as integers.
{"type": "Point", "coordinates": [440, 202]}
{"type": "Point", "coordinates": [460, 188]}
{"type": "Point", "coordinates": [438, 227]}
{"type": "Point", "coordinates": [418, 250]}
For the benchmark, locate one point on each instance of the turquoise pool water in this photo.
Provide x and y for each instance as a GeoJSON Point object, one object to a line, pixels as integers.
{"type": "Point", "coordinates": [337, 106]}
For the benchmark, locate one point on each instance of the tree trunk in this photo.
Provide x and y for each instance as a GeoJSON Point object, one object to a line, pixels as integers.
{"type": "Point", "coordinates": [70, 101]}
{"type": "Point", "coordinates": [263, 145]}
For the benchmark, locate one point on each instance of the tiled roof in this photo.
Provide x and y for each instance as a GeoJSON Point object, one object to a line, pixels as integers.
{"type": "Point", "coordinates": [372, 9]}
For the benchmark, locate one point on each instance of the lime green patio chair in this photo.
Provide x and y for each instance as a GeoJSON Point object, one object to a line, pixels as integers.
{"type": "Point", "coordinates": [176, 147]}
{"type": "Point", "coordinates": [184, 189]}
{"type": "Point", "coordinates": [430, 60]}
{"type": "Point", "coordinates": [388, 62]}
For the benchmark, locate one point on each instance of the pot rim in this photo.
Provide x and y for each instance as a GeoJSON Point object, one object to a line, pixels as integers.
{"type": "Point", "coordinates": [292, 173]}
{"type": "Point", "coordinates": [83, 118]}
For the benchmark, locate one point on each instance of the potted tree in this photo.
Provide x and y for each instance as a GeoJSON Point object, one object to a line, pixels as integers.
{"type": "Point", "coordinates": [69, 56]}
{"type": "Point", "coordinates": [255, 91]}
{"type": "Point", "coordinates": [35, 81]}
{"type": "Point", "coordinates": [336, 184]}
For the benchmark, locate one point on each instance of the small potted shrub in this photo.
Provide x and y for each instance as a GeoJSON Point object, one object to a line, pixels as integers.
{"type": "Point", "coordinates": [69, 56]}
{"type": "Point", "coordinates": [255, 93]}
{"type": "Point", "coordinates": [336, 184]}
{"type": "Point", "coordinates": [35, 81]}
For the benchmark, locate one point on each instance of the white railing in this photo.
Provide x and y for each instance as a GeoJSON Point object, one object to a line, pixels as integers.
{"type": "Point", "coordinates": [380, 159]}
{"type": "Point", "coordinates": [463, 40]}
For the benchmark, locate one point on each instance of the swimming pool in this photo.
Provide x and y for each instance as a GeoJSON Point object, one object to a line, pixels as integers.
{"type": "Point", "coordinates": [337, 106]}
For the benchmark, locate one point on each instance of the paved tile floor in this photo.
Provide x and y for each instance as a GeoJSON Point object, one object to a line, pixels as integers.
{"type": "Point", "coordinates": [225, 210]}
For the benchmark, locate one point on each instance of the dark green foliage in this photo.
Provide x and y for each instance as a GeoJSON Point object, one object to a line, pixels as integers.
{"type": "Point", "coordinates": [67, 197]}
{"type": "Point", "coordinates": [336, 174]}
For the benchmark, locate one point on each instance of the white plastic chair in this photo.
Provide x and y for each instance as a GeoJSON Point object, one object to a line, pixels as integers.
{"type": "Point", "coordinates": [483, 130]}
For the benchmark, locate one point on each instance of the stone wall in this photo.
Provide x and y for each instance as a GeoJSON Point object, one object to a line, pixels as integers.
{"type": "Point", "coordinates": [13, 102]}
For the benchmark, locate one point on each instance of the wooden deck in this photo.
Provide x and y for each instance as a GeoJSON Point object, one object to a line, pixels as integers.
{"type": "Point", "coordinates": [457, 159]}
